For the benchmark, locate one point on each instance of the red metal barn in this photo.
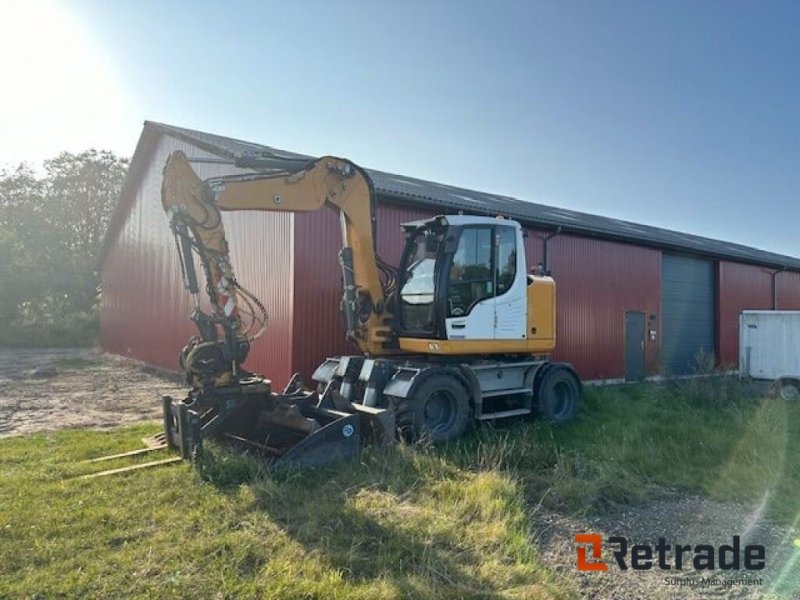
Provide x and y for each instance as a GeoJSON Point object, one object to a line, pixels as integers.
{"type": "Point", "coordinates": [633, 300]}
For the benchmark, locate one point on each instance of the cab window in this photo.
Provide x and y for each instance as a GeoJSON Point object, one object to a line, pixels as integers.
{"type": "Point", "coordinates": [417, 294]}
{"type": "Point", "coordinates": [506, 266]}
{"type": "Point", "coordinates": [471, 271]}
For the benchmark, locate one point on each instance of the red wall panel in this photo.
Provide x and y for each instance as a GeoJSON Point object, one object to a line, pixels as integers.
{"type": "Point", "coordinates": [787, 286]}
{"type": "Point", "coordinates": [260, 245]}
{"type": "Point", "coordinates": [290, 263]}
{"type": "Point", "coordinates": [741, 287]}
{"type": "Point", "coordinates": [597, 281]}
{"type": "Point", "coordinates": [144, 311]}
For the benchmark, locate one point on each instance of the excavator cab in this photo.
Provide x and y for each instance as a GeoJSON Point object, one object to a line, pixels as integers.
{"type": "Point", "coordinates": [462, 280]}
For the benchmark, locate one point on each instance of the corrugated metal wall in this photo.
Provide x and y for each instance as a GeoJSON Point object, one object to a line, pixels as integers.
{"type": "Point", "coordinates": [741, 287]}
{"type": "Point", "coordinates": [788, 290]}
{"type": "Point", "coordinates": [145, 310]}
{"type": "Point", "coordinates": [596, 283]}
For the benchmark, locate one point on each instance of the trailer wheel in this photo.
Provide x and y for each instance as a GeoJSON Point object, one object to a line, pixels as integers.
{"type": "Point", "coordinates": [558, 396]}
{"type": "Point", "coordinates": [438, 411]}
{"type": "Point", "coordinates": [788, 388]}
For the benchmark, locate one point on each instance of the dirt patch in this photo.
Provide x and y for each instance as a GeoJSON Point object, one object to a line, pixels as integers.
{"type": "Point", "coordinates": [683, 519]}
{"type": "Point", "coordinates": [43, 390]}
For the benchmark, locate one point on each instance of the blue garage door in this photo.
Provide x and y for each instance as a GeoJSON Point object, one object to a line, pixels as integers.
{"type": "Point", "coordinates": [687, 312]}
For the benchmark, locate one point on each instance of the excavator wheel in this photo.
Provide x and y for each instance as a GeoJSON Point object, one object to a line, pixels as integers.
{"type": "Point", "coordinates": [438, 411]}
{"type": "Point", "coordinates": [558, 395]}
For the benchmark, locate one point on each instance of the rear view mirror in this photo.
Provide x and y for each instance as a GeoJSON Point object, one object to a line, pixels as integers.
{"type": "Point", "coordinates": [431, 242]}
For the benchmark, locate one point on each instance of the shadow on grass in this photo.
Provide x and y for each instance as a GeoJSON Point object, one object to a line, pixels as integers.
{"type": "Point", "coordinates": [408, 516]}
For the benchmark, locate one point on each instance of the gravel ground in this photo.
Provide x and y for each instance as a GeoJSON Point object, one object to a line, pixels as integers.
{"type": "Point", "coordinates": [42, 390]}
{"type": "Point", "coordinates": [681, 519]}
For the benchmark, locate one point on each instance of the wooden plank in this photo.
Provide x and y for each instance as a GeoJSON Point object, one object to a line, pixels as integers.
{"type": "Point", "coordinates": [147, 465]}
{"type": "Point", "coordinates": [124, 454]}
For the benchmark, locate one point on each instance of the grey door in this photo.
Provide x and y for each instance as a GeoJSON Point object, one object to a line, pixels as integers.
{"type": "Point", "coordinates": [634, 346]}
{"type": "Point", "coordinates": [688, 307]}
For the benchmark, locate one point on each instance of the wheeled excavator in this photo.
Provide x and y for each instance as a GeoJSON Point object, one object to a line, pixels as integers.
{"type": "Point", "coordinates": [458, 331]}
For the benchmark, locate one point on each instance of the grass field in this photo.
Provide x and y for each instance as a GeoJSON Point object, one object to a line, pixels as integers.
{"type": "Point", "coordinates": [453, 521]}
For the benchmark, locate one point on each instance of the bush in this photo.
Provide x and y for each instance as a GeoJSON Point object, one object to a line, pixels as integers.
{"type": "Point", "coordinates": [711, 386]}
{"type": "Point", "coordinates": [51, 228]}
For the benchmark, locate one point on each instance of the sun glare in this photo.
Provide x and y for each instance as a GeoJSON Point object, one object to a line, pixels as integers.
{"type": "Point", "coordinates": [60, 91]}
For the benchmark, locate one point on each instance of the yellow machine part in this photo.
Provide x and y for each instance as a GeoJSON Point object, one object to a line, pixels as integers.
{"type": "Point", "coordinates": [541, 314]}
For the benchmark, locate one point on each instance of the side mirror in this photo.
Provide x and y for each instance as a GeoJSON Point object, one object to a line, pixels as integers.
{"type": "Point", "coordinates": [431, 242]}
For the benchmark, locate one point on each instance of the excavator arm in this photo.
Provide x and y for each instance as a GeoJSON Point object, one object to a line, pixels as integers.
{"type": "Point", "coordinates": [195, 206]}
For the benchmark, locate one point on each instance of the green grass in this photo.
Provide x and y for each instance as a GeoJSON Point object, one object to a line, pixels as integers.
{"type": "Point", "coordinates": [447, 522]}
{"type": "Point", "coordinates": [401, 524]}
{"type": "Point", "coordinates": [713, 437]}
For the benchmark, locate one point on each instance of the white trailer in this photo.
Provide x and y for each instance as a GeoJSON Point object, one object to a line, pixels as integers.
{"type": "Point", "coordinates": [769, 348]}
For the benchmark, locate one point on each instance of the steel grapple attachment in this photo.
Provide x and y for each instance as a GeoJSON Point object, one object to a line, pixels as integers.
{"type": "Point", "coordinates": [296, 427]}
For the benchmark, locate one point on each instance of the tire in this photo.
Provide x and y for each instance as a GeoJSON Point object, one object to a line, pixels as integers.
{"type": "Point", "coordinates": [438, 411]}
{"type": "Point", "coordinates": [558, 396]}
{"type": "Point", "coordinates": [788, 388]}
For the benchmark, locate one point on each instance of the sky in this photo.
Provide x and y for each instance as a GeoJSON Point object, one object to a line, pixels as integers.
{"type": "Point", "coordinates": [678, 114]}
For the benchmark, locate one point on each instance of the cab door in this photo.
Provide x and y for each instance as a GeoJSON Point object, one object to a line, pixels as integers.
{"type": "Point", "coordinates": [484, 299]}
{"type": "Point", "coordinates": [511, 296]}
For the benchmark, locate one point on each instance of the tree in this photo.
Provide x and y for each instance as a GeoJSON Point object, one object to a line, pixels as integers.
{"type": "Point", "coordinates": [51, 228]}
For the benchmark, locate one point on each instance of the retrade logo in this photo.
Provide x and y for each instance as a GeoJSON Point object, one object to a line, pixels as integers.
{"type": "Point", "coordinates": [666, 557]}
{"type": "Point", "coordinates": [596, 543]}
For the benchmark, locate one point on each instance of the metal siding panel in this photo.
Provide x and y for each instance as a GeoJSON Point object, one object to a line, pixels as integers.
{"type": "Point", "coordinates": [688, 311]}
{"type": "Point", "coordinates": [741, 287]}
{"type": "Point", "coordinates": [144, 309]}
{"type": "Point", "coordinates": [260, 246]}
{"type": "Point", "coordinates": [144, 305]}
{"type": "Point", "coordinates": [318, 331]}
{"type": "Point", "coordinates": [597, 281]}
{"type": "Point", "coordinates": [787, 287]}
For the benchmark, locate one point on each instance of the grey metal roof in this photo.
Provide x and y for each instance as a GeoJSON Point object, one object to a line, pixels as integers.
{"type": "Point", "coordinates": [450, 198]}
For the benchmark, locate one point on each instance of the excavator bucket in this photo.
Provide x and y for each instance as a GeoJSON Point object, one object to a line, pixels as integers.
{"type": "Point", "coordinates": [294, 428]}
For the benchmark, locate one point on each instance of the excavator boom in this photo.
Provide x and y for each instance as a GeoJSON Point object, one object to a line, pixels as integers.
{"type": "Point", "coordinates": [328, 181]}
{"type": "Point", "coordinates": [294, 426]}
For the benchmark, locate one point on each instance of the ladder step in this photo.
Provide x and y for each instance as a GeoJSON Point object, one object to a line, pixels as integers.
{"type": "Point", "coordinates": [506, 366]}
{"type": "Point", "coordinates": [505, 413]}
{"type": "Point", "coordinates": [510, 392]}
